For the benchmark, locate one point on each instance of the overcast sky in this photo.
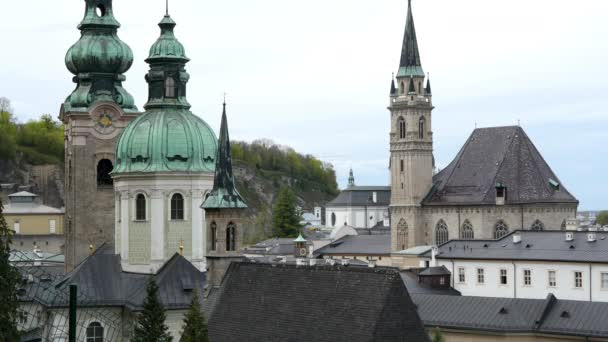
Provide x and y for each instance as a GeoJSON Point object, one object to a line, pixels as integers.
{"type": "Point", "coordinates": [315, 74]}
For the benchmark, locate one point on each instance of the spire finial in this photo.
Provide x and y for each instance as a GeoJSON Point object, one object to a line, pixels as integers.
{"type": "Point", "coordinates": [167, 7]}
{"type": "Point", "coordinates": [181, 247]}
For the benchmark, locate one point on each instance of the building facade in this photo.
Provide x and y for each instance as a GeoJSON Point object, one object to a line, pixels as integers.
{"type": "Point", "coordinates": [497, 183]}
{"type": "Point", "coordinates": [94, 115]}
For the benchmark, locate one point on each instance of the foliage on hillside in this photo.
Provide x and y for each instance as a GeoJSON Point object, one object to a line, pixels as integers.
{"type": "Point", "coordinates": [276, 160]}
{"type": "Point", "coordinates": [37, 141]}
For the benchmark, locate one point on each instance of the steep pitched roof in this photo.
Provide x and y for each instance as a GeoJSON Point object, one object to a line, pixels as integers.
{"type": "Point", "coordinates": [496, 155]}
{"type": "Point", "coordinates": [359, 244]}
{"type": "Point", "coordinates": [262, 302]}
{"type": "Point", "coordinates": [362, 196]}
{"type": "Point", "coordinates": [410, 65]}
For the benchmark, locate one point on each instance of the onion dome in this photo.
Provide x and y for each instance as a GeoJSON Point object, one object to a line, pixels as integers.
{"type": "Point", "coordinates": [98, 60]}
{"type": "Point", "coordinates": [167, 137]}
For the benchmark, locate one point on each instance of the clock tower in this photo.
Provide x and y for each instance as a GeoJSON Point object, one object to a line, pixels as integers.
{"type": "Point", "coordinates": [94, 115]}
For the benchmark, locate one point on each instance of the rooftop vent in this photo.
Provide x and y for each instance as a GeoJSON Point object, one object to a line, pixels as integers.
{"type": "Point", "coordinates": [591, 237]}
{"type": "Point", "coordinates": [569, 236]}
{"type": "Point", "coordinates": [529, 245]}
{"type": "Point", "coordinates": [565, 314]}
{"type": "Point", "coordinates": [516, 238]}
{"type": "Point", "coordinates": [503, 311]}
{"type": "Point", "coordinates": [572, 247]}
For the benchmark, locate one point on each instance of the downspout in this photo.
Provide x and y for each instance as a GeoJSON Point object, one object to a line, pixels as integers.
{"type": "Point", "coordinates": [514, 280]}
{"type": "Point", "coordinates": [590, 283]}
{"type": "Point", "coordinates": [521, 207]}
{"type": "Point", "coordinates": [459, 226]}
{"type": "Point", "coordinates": [453, 274]}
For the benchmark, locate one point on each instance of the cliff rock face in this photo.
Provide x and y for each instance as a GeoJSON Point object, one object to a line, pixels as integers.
{"type": "Point", "coordinates": [43, 180]}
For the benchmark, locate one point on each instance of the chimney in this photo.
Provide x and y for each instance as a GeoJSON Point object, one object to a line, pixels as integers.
{"type": "Point", "coordinates": [569, 236]}
{"type": "Point", "coordinates": [591, 237]}
{"type": "Point", "coordinates": [433, 256]}
{"type": "Point", "coordinates": [516, 237]}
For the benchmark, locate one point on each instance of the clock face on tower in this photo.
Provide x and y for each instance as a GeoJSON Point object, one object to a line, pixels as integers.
{"type": "Point", "coordinates": [104, 116]}
{"type": "Point", "coordinates": [303, 252]}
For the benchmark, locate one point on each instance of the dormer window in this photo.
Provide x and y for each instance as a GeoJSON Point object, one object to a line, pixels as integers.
{"type": "Point", "coordinates": [170, 88]}
{"type": "Point", "coordinates": [501, 193]}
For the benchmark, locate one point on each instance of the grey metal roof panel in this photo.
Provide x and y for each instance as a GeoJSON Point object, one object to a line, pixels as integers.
{"type": "Point", "coordinates": [358, 244]}
{"type": "Point", "coordinates": [497, 154]}
{"type": "Point", "coordinates": [577, 317]}
{"type": "Point", "coordinates": [362, 196]}
{"type": "Point", "coordinates": [353, 303]}
{"type": "Point", "coordinates": [534, 245]}
{"type": "Point", "coordinates": [410, 279]}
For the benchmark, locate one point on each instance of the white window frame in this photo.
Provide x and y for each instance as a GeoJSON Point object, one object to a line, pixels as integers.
{"type": "Point", "coordinates": [462, 278]}
{"type": "Point", "coordinates": [604, 280]}
{"type": "Point", "coordinates": [17, 227]}
{"type": "Point", "coordinates": [134, 206]}
{"type": "Point", "coordinates": [500, 275]}
{"type": "Point", "coordinates": [578, 279]}
{"type": "Point", "coordinates": [186, 203]}
{"type": "Point", "coordinates": [527, 278]}
{"type": "Point", "coordinates": [52, 226]}
{"type": "Point", "coordinates": [481, 275]}
{"type": "Point", "coordinates": [549, 272]}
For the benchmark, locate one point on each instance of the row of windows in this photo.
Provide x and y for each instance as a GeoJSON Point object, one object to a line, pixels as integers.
{"type": "Point", "coordinates": [500, 229]}
{"type": "Point", "coordinates": [177, 207]}
{"type": "Point", "coordinates": [402, 127]}
{"type": "Point", "coordinates": [527, 277]}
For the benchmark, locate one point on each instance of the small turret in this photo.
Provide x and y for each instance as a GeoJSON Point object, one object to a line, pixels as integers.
{"type": "Point", "coordinates": [351, 179]}
{"type": "Point", "coordinates": [428, 86]}
{"type": "Point", "coordinates": [393, 88]}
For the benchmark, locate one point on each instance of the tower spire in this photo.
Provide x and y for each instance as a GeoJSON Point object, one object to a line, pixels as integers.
{"type": "Point", "coordinates": [351, 178]}
{"type": "Point", "coordinates": [166, 7]}
{"type": "Point", "coordinates": [410, 55]}
{"type": "Point", "coordinates": [224, 193]}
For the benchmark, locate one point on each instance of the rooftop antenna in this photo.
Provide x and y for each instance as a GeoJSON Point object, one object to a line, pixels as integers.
{"type": "Point", "coordinates": [518, 123]}
{"type": "Point", "coordinates": [475, 124]}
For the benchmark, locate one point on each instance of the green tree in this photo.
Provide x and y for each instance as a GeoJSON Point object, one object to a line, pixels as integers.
{"type": "Point", "coordinates": [285, 217]}
{"type": "Point", "coordinates": [602, 218]}
{"type": "Point", "coordinates": [195, 326]}
{"type": "Point", "coordinates": [9, 282]}
{"type": "Point", "coordinates": [151, 325]}
{"type": "Point", "coordinates": [8, 131]}
{"type": "Point", "coordinates": [437, 336]}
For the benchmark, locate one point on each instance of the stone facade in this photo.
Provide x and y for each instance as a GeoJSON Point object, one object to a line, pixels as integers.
{"type": "Point", "coordinates": [220, 251]}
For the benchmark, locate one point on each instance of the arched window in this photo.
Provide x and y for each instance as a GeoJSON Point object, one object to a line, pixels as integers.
{"type": "Point", "coordinates": [170, 89]}
{"type": "Point", "coordinates": [402, 234]}
{"type": "Point", "coordinates": [537, 225]}
{"type": "Point", "coordinates": [333, 219]}
{"type": "Point", "coordinates": [177, 207]}
{"type": "Point", "coordinates": [563, 226]}
{"type": "Point", "coordinates": [104, 167]}
{"type": "Point", "coordinates": [467, 231]}
{"type": "Point", "coordinates": [213, 235]}
{"type": "Point", "coordinates": [231, 237]}
{"type": "Point", "coordinates": [441, 233]}
{"type": "Point", "coordinates": [95, 332]}
{"type": "Point", "coordinates": [401, 128]}
{"type": "Point", "coordinates": [402, 88]}
{"type": "Point", "coordinates": [421, 127]}
{"type": "Point", "coordinates": [500, 229]}
{"type": "Point", "coordinates": [140, 207]}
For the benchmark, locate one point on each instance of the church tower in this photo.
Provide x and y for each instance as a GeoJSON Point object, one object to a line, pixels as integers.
{"type": "Point", "coordinates": [94, 115]}
{"type": "Point", "coordinates": [411, 143]}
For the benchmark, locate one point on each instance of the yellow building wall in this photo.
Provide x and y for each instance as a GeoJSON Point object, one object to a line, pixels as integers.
{"type": "Point", "coordinates": [457, 336]}
{"type": "Point", "coordinates": [39, 224]}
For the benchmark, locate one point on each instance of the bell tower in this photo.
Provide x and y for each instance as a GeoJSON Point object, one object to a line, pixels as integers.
{"type": "Point", "coordinates": [411, 143]}
{"type": "Point", "coordinates": [94, 115]}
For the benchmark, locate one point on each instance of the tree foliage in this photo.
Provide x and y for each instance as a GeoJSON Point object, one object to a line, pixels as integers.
{"type": "Point", "coordinates": [151, 325]}
{"type": "Point", "coordinates": [437, 335]}
{"type": "Point", "coordinates": [9, 282]}
{"type": "Point", "coordinates": [285, 216]}
{"type": "Point", "coordinates": [195, 326]}
{"type": "Point", "coordinates": [602, 218]}
{"type": "Point", "coordinates": [267, 156]}
{"type": "Point", "coordinates": [39, 141]}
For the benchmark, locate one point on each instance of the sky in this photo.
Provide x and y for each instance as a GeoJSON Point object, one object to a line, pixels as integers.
{"type": "Point", "coordinates": [315, 74]}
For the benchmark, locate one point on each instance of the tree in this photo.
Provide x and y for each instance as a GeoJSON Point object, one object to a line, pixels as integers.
{"type": "Point", "coordinates": [285, 218]}
{"type": "Point", "coordinates": [151, 325]}
{"type": "Point", "coordinates": [602, 218]}
{"type": "Point", "coordinates": [437, 336]}
{"type": "Point", "coordinates": [9, 282]}
{"type": "Point", "coordinates": [195, 327]}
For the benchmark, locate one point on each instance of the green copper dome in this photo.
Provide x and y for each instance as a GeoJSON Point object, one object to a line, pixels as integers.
{"type": "Point", "coordinates": [98, 60]}
{"type": "Point", "coordinates": [167, 46]}
{"type": "Point", "coordinates": [166, 140]}
{"type": "Point", "coordinates": [167, 137]}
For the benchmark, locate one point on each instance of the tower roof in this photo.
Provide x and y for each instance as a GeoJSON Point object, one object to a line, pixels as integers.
{"type": "Point", "coordinates": [410, 56]}
{"type": "Point", "coordinates": [428, 85]}
{"type": "Point", "coordinates": [224, 193]}
{"type": "Point", "coordinates": [351, 178]}
{"type": "Point", "coordinates": [167, 47]}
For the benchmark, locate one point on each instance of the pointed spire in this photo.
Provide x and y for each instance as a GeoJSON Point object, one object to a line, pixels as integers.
{"type": "Point", "coordinates": [428, 85]}
{"type": "Point", "coordinates": [412, 87]}
{"type": "Point", "coordinates": [393, 88]}
{"type": "Point", "coordinates": [351, 178]}
{"type": "Point", "coordinates": [167, 8]}
{"type": "Point", "coordinates": [410, 56]}
{"type": "Point", "coordinates": [224, 194]}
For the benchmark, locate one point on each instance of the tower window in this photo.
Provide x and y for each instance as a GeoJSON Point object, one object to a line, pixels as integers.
{"type": "Point", "coordinates": [421, 124]}
{"type": "Point", "coordinates": [100, 10]}
{"type": "Point", "coordinates": [231, 237]}
{"type": "Point", "coordinates": [441, 233]}
{"type": "Point", "coordinates": [170, 88]}
{"type": "Point", "coordinates": [333, 219]}
{"type": "Point", "coordinates": [177, 207]}
{"type": "Point", "coordinates": [401, 165]}
{"type": "Point", "coordinates": [95, 332]}
{"type": "Point", "coordinates": [104, 167]}
{"type": "Point", "coordinates": [140, 207]}
{"type": "Point", "coordinates": [467, 231]}
{"type": "Point", "coordinates": [500, 229]}
{"type": "Point", "coordinates": [401, 128]}
{"type": "Point", "coordinates": [213, 235]}
{"type": "Point", "coordinates": [402, 88]}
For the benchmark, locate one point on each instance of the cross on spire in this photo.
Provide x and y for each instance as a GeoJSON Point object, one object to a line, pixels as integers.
{"type": "Point", "coordinates": [167, 7]}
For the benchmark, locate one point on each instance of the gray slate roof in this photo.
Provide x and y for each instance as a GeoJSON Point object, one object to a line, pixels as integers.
{"type": "Point", "coordinates": [101, 282]}
{"type": "Point", "coordinates": [489, 314]}
{"type": "Point", "coordinates": [358, 244]}
{"type": "Point", "coordinates": [362, 196]}
{"type": "Point", "coordinates": [272, 303]}
{"type": "Point", "coordinates": [497, 155]}
{"type": "Point", "coordinates": [534, 245]}
{"type": "Point", "coordinates": [410, 279]}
